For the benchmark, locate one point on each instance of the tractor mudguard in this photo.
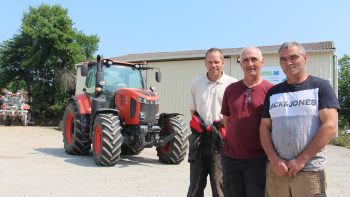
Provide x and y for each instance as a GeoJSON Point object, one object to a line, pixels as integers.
{"type": "Point", "coordinates": [163, 120]}
{"type": "Point", "coordinates": [83, 103]}
{"type": "Point", "coordinates": [164, 117]}
{"type": "Point", "coordinates": [107, 110]}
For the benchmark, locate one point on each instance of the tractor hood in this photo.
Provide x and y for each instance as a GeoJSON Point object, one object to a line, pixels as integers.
{"type": "Point", "coordinates": [137, 105]}
{"type": "Point", "coordinates": [146, 95]}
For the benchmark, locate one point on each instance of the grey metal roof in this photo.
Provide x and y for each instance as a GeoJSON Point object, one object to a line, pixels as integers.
{"type": "Point", "coordinates": [200, 54]}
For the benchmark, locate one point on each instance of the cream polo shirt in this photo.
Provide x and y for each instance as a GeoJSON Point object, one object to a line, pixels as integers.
{"type": "Point", "coordinates": [207, 96]}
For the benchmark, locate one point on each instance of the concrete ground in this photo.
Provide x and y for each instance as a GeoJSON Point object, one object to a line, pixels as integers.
{"type": "Point", "coordinates": [33, 164]}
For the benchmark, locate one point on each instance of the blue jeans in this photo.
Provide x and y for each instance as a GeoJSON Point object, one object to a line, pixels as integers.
{"type": "Point", "coordinates": [244, 178]}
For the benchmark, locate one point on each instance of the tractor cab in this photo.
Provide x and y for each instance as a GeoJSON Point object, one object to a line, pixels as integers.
{"type": "Point", "coordinates": [115, 75]}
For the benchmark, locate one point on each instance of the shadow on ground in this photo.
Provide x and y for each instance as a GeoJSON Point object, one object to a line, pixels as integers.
{"type": "Point", "coordinates": [88, 160]}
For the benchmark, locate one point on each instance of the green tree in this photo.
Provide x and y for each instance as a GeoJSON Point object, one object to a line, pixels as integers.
{"type": "Point", "coordinates": [344, 91]}
{"type": "Point", "coordinates": [42, 57]}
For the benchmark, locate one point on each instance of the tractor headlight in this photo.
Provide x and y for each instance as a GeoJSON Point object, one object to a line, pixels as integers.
{"type": "Point", "coordinates": [142, 100]}
{"type": "Point", "coordinates": [154, 102]}
{"type": "Point", "coordinates": [157, 101]}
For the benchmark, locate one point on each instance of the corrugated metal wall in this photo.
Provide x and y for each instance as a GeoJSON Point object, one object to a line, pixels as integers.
{"type": "Point", "coordinates": [319, 64]}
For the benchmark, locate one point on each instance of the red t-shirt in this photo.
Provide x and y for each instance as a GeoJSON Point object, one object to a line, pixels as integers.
{"type": "Point", "coordinates": [243, 106]}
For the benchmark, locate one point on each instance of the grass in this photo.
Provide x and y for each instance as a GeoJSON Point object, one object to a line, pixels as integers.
{"type": "Point", "coordinates": [342, 140]}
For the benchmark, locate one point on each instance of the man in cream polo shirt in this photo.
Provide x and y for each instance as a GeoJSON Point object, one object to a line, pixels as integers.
{"type": "Point", "coordinates": [207, 93]}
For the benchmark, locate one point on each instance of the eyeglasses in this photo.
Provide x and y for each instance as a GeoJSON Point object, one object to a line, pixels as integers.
{"type": "Point", "coordinates": [248, 95]}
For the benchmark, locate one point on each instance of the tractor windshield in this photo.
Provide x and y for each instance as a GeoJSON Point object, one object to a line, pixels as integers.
{"type": "Point", "coordinates": [118, 76]}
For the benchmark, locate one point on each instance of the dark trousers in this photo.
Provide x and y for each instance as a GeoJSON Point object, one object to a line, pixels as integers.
{"type": "Point", "coordinates": [199, 170]}
{"type": "Point", "coordinates": [244, 178]}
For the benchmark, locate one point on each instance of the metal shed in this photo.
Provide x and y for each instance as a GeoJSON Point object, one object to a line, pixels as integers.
{"type": "Point", "coordinates": [180, 67]}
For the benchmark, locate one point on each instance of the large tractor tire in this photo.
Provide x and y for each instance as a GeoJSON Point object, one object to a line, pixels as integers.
{"type": "Point", "coordinates": [107, 139]}
{"type": "Point", "coordinates": [175, 150]}
{"type": "Point", "coordinates": [127, 150]}
{"type": "Point", "coordinates": [75, 134]}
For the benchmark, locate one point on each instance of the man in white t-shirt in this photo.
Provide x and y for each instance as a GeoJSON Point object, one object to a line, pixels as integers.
{"type": "Point", "coordinates": [207, 92]}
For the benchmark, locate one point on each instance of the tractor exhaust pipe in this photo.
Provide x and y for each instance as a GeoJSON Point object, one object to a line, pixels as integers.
{"type": "Point", "coordinates": [99, 77]}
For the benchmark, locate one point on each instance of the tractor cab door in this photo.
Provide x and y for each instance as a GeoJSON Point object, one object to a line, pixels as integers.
{"type": "Point", "coordinates": [90, 82]}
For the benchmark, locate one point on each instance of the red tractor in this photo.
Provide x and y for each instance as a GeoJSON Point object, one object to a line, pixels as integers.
{"type": "Point", "coordinates": [117, 115]}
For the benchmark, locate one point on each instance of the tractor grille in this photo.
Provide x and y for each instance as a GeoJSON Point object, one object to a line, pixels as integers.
{"type": "Point", "coordinates": [150, 111]}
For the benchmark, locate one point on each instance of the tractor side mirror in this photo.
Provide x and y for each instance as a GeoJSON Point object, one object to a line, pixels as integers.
{"type": "Point", "coordinates": [158, 76]}
{"type": "Point", "coordinates": [84, 70]}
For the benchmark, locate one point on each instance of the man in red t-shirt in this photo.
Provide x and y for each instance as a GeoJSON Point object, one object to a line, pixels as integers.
{"type": "Point", "coordinates": [244, 159]}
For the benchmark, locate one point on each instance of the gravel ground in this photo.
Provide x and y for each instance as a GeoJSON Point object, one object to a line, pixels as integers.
{"type": "Point", "coordinates": [33, 164]}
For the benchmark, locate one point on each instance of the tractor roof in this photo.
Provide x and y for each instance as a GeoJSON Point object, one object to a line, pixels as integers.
{"type": "Point", "coordinates": [114, 61]}
{"type": "Point", "coordinates": [142, 65]}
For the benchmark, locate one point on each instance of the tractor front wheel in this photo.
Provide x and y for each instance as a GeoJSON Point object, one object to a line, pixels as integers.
{"type": "Point", "coordinates": [107, 139]}
{"type": "Point", "coordinates": [175, 150]}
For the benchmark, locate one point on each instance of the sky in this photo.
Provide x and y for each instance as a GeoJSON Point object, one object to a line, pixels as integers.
{"type": "Point", "coordinates": [145, 26]}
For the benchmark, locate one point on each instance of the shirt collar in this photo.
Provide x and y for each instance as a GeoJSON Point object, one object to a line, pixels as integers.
{"type": "Point", "coordinates": [220, 80]}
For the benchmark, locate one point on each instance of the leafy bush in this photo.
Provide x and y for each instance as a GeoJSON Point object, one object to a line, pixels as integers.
{"type": "Point", "coordinates": [50, 116]}
{"type": "Point", "coordinates": [55, 111]}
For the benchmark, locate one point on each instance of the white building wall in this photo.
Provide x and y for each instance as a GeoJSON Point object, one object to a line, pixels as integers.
{"type": "Point", "coordinates": [319, 65]}
{"type": "Point", "coordinates": [79, 83]}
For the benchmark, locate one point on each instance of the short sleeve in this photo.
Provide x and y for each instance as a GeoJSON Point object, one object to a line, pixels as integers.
{"type": "Point", "coordinates": [265, 111]}
{"type": "Point", "coordinates": [192, 104]}
{"type": "Point", "coordinates": [327, 97]}
{"type": "Point", "coordinates": [224, 106]}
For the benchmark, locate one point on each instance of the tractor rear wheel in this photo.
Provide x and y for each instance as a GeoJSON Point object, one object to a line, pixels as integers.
{"type": "Point", "coordinates": [174, 151]}
{"type": "Point", "coordinates": [107, 139]}
{"type": "Point", "coordinates": [75, 137]}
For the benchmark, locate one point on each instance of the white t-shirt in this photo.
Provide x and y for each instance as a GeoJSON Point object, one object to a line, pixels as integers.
{"type": "Point", "coordinates": [207, 96]}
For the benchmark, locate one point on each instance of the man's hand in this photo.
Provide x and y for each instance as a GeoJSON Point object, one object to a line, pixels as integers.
{"type": "Point", "coordinates": [279, 166]}
{"type": "Point", "coordinates": [294, 166]}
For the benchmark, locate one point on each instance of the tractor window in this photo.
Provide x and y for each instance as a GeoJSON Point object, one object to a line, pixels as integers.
{"type": "Point", "coordinates": [118, 76]}
{"type": "Point", "coordinates": [135, 79]}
